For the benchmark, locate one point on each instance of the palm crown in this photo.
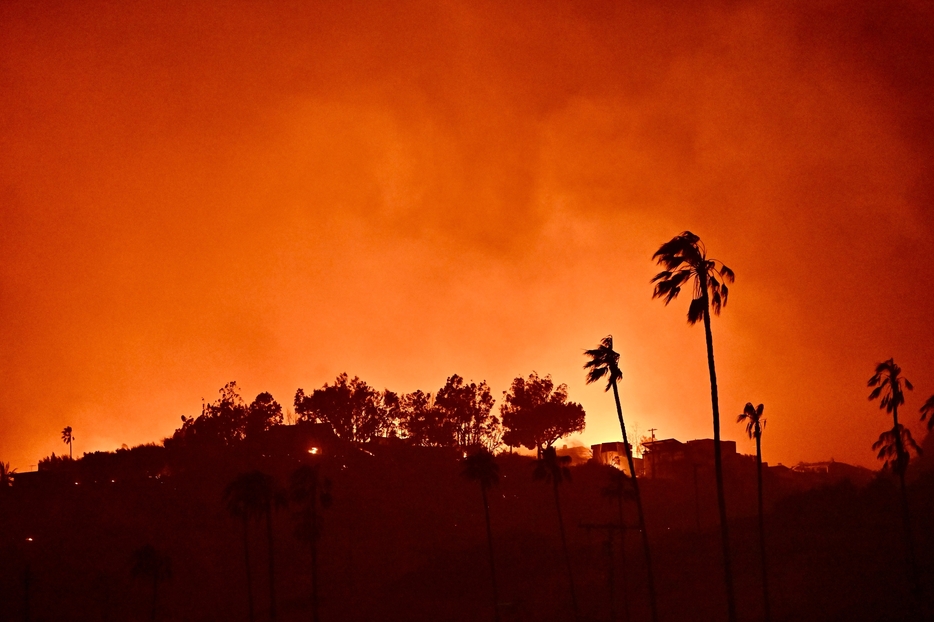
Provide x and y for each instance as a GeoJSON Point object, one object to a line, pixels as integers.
{"type": "Point", "coordinates": [888, 383]}
{"type": "Point", "coordinates": [604, 361]}
{"type": "Point", "coordinates": [481, 467]}
{"type": "Point", "coordinates": [251, 495]}
{"type": "Point", "coordinates": [892, 447]}
{"type": "Point", "coordinates": [684, 258]}
{"type": "Point", "coordinates": [753, 418]}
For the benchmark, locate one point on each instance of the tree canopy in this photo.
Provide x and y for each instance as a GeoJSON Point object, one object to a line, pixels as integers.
{"type": "Point", "coordinates": [536, 413]}
{"type": "Point", "coordinates": [228, 420]}
{"type": "Point", "coordinates": [355, 410]}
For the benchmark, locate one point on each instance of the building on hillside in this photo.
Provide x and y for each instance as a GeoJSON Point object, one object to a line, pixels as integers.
{"type": "Point", "coordinates": [614, 455]}
{"type": "Point", "coordinates": [670, 458]}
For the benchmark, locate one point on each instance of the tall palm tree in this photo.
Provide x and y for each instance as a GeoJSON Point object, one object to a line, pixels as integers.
{"type": "Point", "coordinates": [755, 423]}
{"type": "Point", "coordinates": [481, 467]}
{"type": "Point", "coordinates": [254, 495]}
{"type": "Point", "coordinates": [310, 492]}
{"type": "Point", "coordinates": [553, 468]}
{"type": "Point", "coordinates": [890, 385]}
{"type": "Point", "coordinates": [150, 564]}
{"type": "Point", "coordinates": [604, 362]}
{"type": "Point", "coordinates": [68, 438]}
{"type": "Point", "coordinates": [684, 259]}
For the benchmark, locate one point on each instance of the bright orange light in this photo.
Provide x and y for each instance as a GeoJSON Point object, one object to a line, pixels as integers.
{"type": "Point", "coordinates": [313, 450]}
{"type": "Point", "coordinates": [28, 539]}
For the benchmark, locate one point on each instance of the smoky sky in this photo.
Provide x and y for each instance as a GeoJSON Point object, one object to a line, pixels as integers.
{"type": "Point", "coordinates": [276, 193]}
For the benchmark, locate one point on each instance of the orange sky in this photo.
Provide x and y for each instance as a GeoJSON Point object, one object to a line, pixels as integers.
{"type": "Point", "coordinates": [202, 192]}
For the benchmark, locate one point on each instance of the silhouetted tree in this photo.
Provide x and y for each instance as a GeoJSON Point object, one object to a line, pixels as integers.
{"type": "Point", "coordinates": [263, 413]}
{"type": "Point", "coordinates": [354, 410]}
{"type": "Point", "coordinates": [6, 475]}
{"type": "Point", "coordinates": [68, 438]}
{"type": "Point", "coordinates": [467, 407]}
{"type": "Point", "coordinates": [752, 416]}
{"type": "Point", "coordinates": [604, 362]}
{"type": "Point", "coordinates": [310, 493]}
{"type": "Point", "coordinates": [536, 413]}
{"type": "Point", "coordinates": [55, 463]}
{"type": "Point", "coordinates": [459, 416]}
{"type": "Point", "coordinates": [890, 385]}
{"type": "Point", "coordinates": [254, 495]}
{"type": "Point", "coordinates": [222, 423]}
{"type": "Point", "coordinates": [150, 564]}
{"type": "Point", "coordinates": [421, 423]}
{"type": "Point", "coordinates": [554, 469]}
{"type": "Point", "coordinates": [684, 259]}
{"type": "Point", "coordinates": [481, 467]}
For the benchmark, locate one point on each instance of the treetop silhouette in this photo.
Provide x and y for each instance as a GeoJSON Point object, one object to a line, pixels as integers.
{"type": "Point", "coordinates": [68, 438]}
{"type": "Point", "coordinates": [684, 258]}
{"type": "Point", "coordinates": [536, 413]}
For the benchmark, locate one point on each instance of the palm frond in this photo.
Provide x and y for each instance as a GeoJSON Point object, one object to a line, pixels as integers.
{"type": "Point", "coordinates": [888, 383]}
{"type": "Point", "coordinates": [604, 361]}
{"type": "Point", "coordinates": [696, 311]}
{"type": "Point", "coordinates": [752, 415]}
{"type": "Point", "coordinates": [893, 446]}
{"type": "Point", "coordinates": [927, 410]}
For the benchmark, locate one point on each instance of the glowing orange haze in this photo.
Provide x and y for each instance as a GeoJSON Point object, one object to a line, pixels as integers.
{"type": "Point", "coordinates": [204, 192]}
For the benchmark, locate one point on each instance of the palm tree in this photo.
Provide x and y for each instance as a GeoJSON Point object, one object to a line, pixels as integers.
{"type": "Point", "coordinates": [754, 426]}
{"type": "Point", "coordinates": [254, 495]}
{"type": "Point", "coordinates": [481, 467]}
{"type": "Point", "coordinates": [604, 362]}
{"type": "Point", "coordinates": [148, 563]}
{"type": "Point", "coordinates": [6, 475]}
{"type": "Point", "coordinates": [553, 468]}
{"type": "Point", "coordinates": [684, 259]}
{"type": "Point", "coordinates": [308, 490]}
{"type": "Point", "coordinates": [890, 385]}
{"type": "Point", "coordinates": [68, 438]}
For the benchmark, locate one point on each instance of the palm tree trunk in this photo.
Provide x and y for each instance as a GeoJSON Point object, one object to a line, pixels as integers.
{"type": "Point", "coordinates": [567, 555]}
{"type": "Point", "coordinates": [641, 515]}
{"type": "Point", "coordinates": [272, 565]}
{"type": "Point", "coordinates": [622, 559]}
{"type": "Point", "coordinates": [765, 577]}
{"type": "Point", "coordinates": [718, 465]}
{"type": "Point", "coordinates": [314, 554]}
{"type": "Point", "coordinates": [246, 559]}
{"type": "Point", "coordinates": [489, 546]}
{"type": "Point", "coordinates": [906, 518]}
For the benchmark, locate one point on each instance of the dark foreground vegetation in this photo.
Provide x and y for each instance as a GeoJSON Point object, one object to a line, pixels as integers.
{"type": "Point", "coordinates": [403, 537]}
